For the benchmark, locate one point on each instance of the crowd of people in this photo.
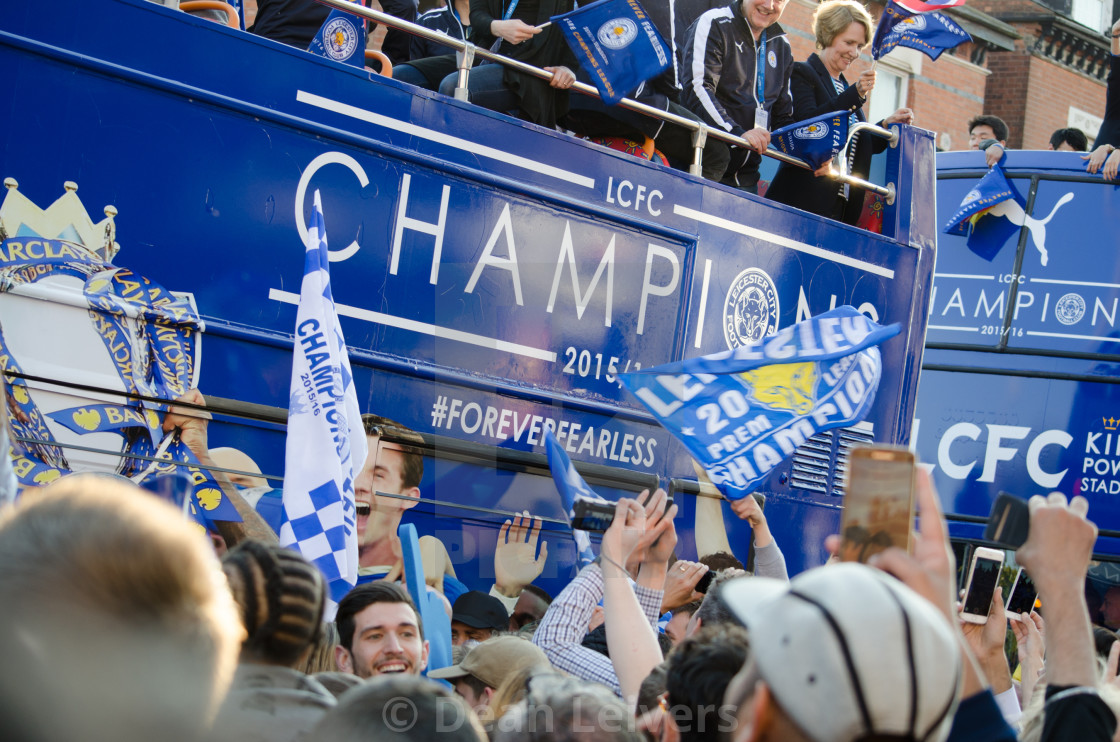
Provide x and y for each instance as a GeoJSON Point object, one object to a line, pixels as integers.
{"type": "Point", "coordinates": [123, 622]}
{"type": "Point", "coordinates": [733, 69]}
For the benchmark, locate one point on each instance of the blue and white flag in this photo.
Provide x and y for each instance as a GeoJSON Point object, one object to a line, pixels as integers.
{"type": "Point", "coordinates": [616, 44]}
{"type": "Point", "coordinates": [571, 487]}
{"type": "Point", "coordinates": [742, 412]}
{"type": "Point", "coordinates": [342, 37]}
{"type": "Point", "coordinates": [815, 140]}
{"type": "Point", "coordinates": [987, 232]}
{"type": "Point", "coordinates": [929, 32]}
{"type": "Point", "coordinates": [326, 447]}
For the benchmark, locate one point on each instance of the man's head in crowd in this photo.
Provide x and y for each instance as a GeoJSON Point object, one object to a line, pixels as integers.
{"type": "Point", "coordinates": [761, 14]}
{"type": "Point", "coordinates": [839, 654]}
{"type": "Point", "coordinates": [699, 671]}
{"type": "Point", "coordinates": [380, 632]}
{"type": "Point", "coordinates": [484, 668]}
{"type": "Point", "coordinates": [394, 466]}
{"type": "Point", "coordinates": [983, 128]}
{"type": "Point", "coordinates": [1069, 140]}
{"type": "Point", "coordinates": [562, 708]}
{"type": "Point", "coordinates": [476, 616]}
{"type": "Point", "coordinates": [403, 709]}
{"type": "Point", "coordinates": [281, 597]}
{"type": "Point", "coordinates": [713, 611]}
{"type": "Point", "coordinates": [117, 622]}
{"type": "Point", "coordinates": [677, 628]}
{"type": "Point", "coordinates": [531, 606]}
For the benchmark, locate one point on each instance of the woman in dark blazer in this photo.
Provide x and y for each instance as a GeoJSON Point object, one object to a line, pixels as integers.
{"type": "Point", "coordinates": [843, 28]}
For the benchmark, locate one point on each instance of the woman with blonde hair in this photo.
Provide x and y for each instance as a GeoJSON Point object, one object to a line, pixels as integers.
{"type": "Point", "coordinates": [842, 29]}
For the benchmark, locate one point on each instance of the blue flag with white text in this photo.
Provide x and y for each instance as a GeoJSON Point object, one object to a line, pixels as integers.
{"type": "Point", "coordinates": [342, 37]}
{"type": "Point", "coordinates": [571, 487]}
{"type": "Point", "coordinates": [929, 32]}
{"type": "Point", "coordinates": [987, 231]}
{"type": "Point", "coordinates": [815, 140]}
{"type": "Point", "coordinates": [325, 447]}
{"type": "Point", "coordinates": [616, 44]}
{"type": "Point", "coordinates": [743, 411]}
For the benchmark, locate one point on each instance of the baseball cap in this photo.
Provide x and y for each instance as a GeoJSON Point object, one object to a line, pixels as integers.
{"type": "Point", "coordinates": [494, 660]}
{"type": "Point", "coordinates": [480, 611]}
{"type": "Point", "coordinates": [848, 651]}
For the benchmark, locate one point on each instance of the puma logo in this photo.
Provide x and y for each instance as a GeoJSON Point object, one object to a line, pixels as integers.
{"type": "Point", "coordinates": [739, 46]}
{"type": "Point", "coordinates": [1037, 227]}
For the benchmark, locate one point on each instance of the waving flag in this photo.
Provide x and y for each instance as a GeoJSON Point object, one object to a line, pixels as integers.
{"type": "Point", "coordinates": [816, 140]}
{"type": "Point", "coordinates": [929, 32]}
{"type": "Point", "coordinates": [741, 412]}
{"type": "Point", "coordinates": [617, 44]}
{"type": "Point", "coordinates": [918, 6]}
{"type": "Point", "coordinates": [326, 442]}
{"type": "Point", "coordinates": [342, 37]}
{"type": "Point", "coordinates": [986, 236]}
{"type": "Point", "coordinates": [437, 624]}
{"type": "Point", "coordinates": [571, 487]}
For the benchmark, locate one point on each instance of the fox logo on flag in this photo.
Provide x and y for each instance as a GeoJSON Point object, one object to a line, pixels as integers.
{"type": "Point", "coordinates": [326, 442]}
{"type": "Point", "coordinates": [817, 140]}
{"type": "Point", "coordinates": [342, 37]}
{"type": "Point", "coordinates": [740, 413]}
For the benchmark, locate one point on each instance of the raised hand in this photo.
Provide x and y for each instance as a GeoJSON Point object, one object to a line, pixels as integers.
{"type": "Point", "coordinates": [516, 562]}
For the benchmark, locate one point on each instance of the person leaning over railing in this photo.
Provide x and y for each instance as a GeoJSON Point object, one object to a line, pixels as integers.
{"type": "Point", "coordinates": [1106, 157]}
{"type": "Point", "coordinates": [842, 29]}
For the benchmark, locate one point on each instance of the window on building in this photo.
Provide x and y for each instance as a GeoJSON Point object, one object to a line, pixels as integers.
{"type": "Point", "coordinates": [1091, 13]}
{"type": "Point", "coordinates": [889, 94]}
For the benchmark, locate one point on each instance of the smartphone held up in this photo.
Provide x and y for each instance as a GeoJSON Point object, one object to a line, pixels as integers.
{"type": "Point", "coordinates": [983, 577]}
{"type": "Point", "coordinates": [878, 502]}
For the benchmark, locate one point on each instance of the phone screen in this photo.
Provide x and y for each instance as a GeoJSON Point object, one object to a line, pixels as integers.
{"type": "Point", "coordinates": [1022, 596]}
{"type": "Point", "coordinates": [985, 576]}
{"type": "Point", "coordinates": [878, 502]}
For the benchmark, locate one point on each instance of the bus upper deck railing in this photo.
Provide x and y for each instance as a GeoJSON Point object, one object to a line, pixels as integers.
{"type": "Point", "coordinates": [700, 131]}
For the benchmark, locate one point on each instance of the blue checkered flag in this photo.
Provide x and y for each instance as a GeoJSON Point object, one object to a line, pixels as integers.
{"type": "Point", "coordinates": [326, 442]}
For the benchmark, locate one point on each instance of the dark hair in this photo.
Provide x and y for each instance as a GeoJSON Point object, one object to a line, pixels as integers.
{"type": "Point", "coordinates": [1073, 137]}
{"type": "Point", "coordinates": [473, 683]}
{"type": "Point", "coordinates": [712, 610]}
{"type": "Point", "coordinates": [280, 596]}
{"type": "Point", "coordinates": [1102, 641]}
{"type": "Point", "coordinates": [720, 560]}
{"type": "Point", "coordinates": [699, 671]}
{"type": "Point", "coordinates": [649, 692]}
{"type": "Point", "coordinates": [363, 596]}
{"type": "Point", "coordinates": [534, 590]}
{"type": "Point", "coordinates": [375, 711]}
{"type": "Point", "coordinates": [390, 430]}
{"type": "Point", "coordinates": [999, 128]}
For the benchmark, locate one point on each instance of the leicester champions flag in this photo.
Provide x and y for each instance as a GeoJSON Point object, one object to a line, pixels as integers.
{"type": "Point", "coordinates": [742, 412]}
{"type": "Point", "coordinates": [342, 37]}
{"type": "Point", "coordinates": [987, 233]}
{"type": "Point", "coordinates": [617, 44]}
{"type": "Point", "coordinates": [571, 487]}
{"type": "Point", "coordinates": [816, 141]}
{"type": "Point", "coordinates": [929, 32]}
{"type": "Point", "coordinates": [325, 448]}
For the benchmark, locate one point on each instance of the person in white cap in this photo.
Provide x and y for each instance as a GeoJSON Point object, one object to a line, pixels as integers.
{"type": "Point", "coordinates": [840, 654]}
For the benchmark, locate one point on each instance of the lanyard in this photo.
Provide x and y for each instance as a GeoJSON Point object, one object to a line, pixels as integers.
{"type": "Point", "coordinates": [760, 71]}
{"type": "Point", "coordinates": [512, 7]}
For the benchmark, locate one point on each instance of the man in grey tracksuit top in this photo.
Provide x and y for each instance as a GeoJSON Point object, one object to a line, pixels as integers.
{"type": "Point", "coordinates": [721, 81]}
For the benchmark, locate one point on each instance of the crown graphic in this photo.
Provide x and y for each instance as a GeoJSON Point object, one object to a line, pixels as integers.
{"type": "Point", "coordinates": [1110, 423]}
{"type": "Point", "coordinates": [65, 219]}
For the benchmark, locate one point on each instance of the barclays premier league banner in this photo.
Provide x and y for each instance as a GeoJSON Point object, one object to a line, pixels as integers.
{"type": "Point", "coordinates": [815, 141]}
{"type": "Point", "coordinates": [617, 44]}
{"type": "Point", "coordinates": [742, 412]}
{"type": "Point", "coordinates": [929, 33]}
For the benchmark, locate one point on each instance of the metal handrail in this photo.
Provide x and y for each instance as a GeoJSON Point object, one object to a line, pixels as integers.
{"type": "Point", "coordinates": [700, 131]}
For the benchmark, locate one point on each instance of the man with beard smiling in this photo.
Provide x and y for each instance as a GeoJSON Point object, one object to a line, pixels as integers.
{"type": "Point", "coordinates": [380, 632]}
